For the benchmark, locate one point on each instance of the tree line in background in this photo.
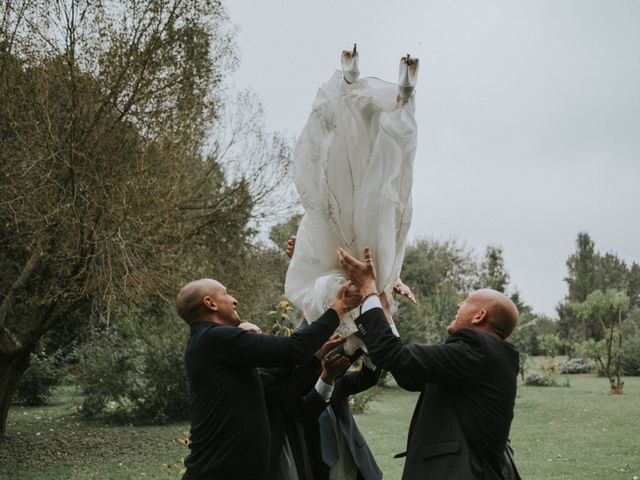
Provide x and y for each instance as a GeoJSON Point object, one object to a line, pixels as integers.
{"type": "Point", "coordinates": [129, 168]}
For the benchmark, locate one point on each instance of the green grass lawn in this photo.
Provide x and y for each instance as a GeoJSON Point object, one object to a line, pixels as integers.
{"type": "Point", "coordinates": [580, 432]}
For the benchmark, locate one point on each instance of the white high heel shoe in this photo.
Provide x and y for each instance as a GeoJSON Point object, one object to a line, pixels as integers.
{"type": "Point", "coordinates": [350, 68]}
{"type": "Point", "coordinates": [407, 76]}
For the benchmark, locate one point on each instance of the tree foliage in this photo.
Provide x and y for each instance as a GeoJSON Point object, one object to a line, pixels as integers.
{"type": "Point", "coordinates": [120, 176]}
{"type": "Point", "coordinates": [588, 271]}
{"type": "Point", "coordinates": [440, 274]}
{"type": "Point", "coordinates": [492, 270]}
{"type": "Point", "coordinates": [608, 308]}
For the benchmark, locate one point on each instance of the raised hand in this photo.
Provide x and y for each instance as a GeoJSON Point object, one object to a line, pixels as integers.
{"type": "Point", "coordinates": [334, 342]}
{"type": "Point", "coordinates": [361, 274]}
{"type": "Point", "coordinates": [333, 367]}
{"type": "Point", "coordinates": [249, 327]}
{"type": "Point", "coordinates": [291, 246]}
{"type": "Point", "coordinates": [348, 298]}
{"type": "Point", "coordinates": [405, 291]}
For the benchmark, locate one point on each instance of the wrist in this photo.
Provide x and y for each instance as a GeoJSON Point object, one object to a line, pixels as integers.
{"type": "Point", "coordinates": [369, 295]}
{"type": "Point", "coordinates": [326, 378]}
{"type": "Point", "coordinates": [339, 309]}
{"type": "Point", "coordinates": [368, 289]}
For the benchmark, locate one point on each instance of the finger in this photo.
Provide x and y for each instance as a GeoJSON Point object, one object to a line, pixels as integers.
{"type": "Point", "coordinates": [344, 362]}
{"type": "Point", "coordinates": [345, 258]}
{"type": "Point", "coordinates": [334, 360]}
{"type": "Point", "coordinates": [336, 342]}
{"type": "Point", "coordinates": [367, 255]}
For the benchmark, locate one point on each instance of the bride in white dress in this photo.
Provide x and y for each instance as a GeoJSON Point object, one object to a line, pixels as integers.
{"type": "Point", "coordinates": [353, 168]}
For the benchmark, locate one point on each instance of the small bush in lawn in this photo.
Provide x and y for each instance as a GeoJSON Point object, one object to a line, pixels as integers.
{"type": "Point", "coordinates": [551, 369]}
{"type": "Point", "coordinates": [38, 380]}
{"type": "Point", "coordinates": [538, 379]}
{"type": "Point", "coordinates": [547, 377]}
{"type": "Point", "coordinates": [576, 365]}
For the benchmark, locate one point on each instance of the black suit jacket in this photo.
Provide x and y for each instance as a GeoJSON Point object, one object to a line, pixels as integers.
{"type": "Point", "coordinates": [348, 384]}
{"type": "Point", "coordinates": [461, 422]}
{"type": "Point", "coordinates": [228, 410]}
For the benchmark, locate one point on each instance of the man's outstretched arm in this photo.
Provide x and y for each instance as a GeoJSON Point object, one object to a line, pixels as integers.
{"type": "Point", "coordinates": [456, 361]}
{"type": "Point", "coordinates": [240, 347]}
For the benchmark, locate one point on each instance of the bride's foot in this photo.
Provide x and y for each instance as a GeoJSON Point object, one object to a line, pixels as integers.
{"type": "Point", "coordinates": [350, 68]}
{"type": "Point", "coordinates": [407, 77]}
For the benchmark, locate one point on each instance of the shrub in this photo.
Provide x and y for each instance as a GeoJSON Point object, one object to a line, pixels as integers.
{"type": "Point", "coordinates": [38, 381]}
{"type": "Point", "coordinates": [630, 360]}
{"type": "Point", "coordinates": [576, 365]}
{"type": "Point", "coordinates": [538, 379]}
{"type": "Point", "coordinates": [547, 377]}
{"type": "Point", "coordinates": [107, 372]}
{"type": "Point", "coordinates": [136, 373]}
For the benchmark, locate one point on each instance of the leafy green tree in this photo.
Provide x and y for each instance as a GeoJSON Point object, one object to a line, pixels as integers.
{"type": "Point", "coordinates": [608, 308]}
{"type": "Point", "coordinates": [492, 270]}
{"type": "Point", "coordinates": [431, 263]}
{"type": "Point", "coordinates": [280, 233]}
{"type": "Point", "coordinates": [550, 343]}
{"type": "Point", "coordinates": [611, 272]}
{"type": "Point", "coordinates": [440, 274]}
{"type": "Point", "coordinates": [115, 187]}
{"type": "Point", "coordinates": [631, 349]}
{"type": "Point", "coordinates": [634, 284]}
{"type": "Point", "coordinates": [581, 266]}
{"type": "Point", "coordinates": [588, 271]}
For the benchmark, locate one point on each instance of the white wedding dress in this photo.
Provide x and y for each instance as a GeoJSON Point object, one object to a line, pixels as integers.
{"type": "Point", "coordinates": [353, 169]}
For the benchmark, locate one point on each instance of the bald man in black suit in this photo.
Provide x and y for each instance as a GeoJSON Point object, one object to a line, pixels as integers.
{"type": "Point", "coordinates": [461, 423]}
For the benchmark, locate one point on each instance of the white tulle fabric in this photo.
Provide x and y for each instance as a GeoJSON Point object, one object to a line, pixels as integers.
{"type": "Point", "coordinates": [353, 168]}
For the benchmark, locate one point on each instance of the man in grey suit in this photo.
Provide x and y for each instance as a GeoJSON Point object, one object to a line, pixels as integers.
{"type": "Point", "coordinates": [338, 450]}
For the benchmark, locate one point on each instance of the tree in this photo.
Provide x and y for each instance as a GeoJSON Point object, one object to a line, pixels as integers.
{"type": "Point", "coordinates": [634, 284]}
{"type": "Point", "coordinates": [581, 266]}
{"type": "Point", "coordinates": [608, 308]}
{"type": "Point", "coordinates": [279, 234]}
{"type": "Point", "coordinates": [492, 270]}
{"type": "Point", "coordinates": [588, 271]}
{"type": "Point", "coordinates": [109, 194]}
{"type": "Point", "coordinates": [430, 263]}
{"type": "Point", "coordinates": [440, 274]}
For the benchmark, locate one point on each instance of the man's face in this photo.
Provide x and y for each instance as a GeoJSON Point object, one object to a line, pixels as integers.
{"type": "Point", "coordinates": [226, 306]}
{"type": "Point", "coordinates": [466, 311]}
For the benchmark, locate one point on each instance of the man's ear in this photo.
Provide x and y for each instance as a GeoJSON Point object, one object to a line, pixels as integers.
{"type": "Point", "coordinates": [210, 304]}
{"type": "Point", "coordinates": [479, 317]}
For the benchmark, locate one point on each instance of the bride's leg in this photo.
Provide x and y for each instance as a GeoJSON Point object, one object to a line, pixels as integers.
{"type": "Point", "coordinates": [350, 67]}
{"type": "Point", "coordinates": [407, 77]}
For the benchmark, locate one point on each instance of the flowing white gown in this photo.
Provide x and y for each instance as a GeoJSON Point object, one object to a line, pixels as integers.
{"type": "Point", "coordinates": [353, 169]}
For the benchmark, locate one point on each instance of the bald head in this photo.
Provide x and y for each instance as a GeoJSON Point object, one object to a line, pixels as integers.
{"type": "Point", "coordinates": [502, 313]}
{"type": "Point", "coordinates": [190, 300]}
{"type": "Point", "coordinates": [487, 310]}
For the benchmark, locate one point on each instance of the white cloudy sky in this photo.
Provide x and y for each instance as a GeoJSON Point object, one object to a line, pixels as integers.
{"type": "Point", "coordinates": [528, 113]}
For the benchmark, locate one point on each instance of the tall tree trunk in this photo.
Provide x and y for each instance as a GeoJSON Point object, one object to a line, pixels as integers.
{"type": "Point", "coordinates": [11, 370]}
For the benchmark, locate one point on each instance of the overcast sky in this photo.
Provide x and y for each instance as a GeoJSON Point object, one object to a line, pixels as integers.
{"type": "Point", "coordinates": [528, 114]}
